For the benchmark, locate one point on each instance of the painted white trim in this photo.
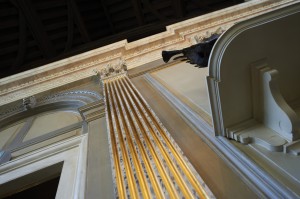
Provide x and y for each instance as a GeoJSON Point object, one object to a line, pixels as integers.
{"type": "Point", "coordinates": [226, 38]}
{"type": "Point", "coordinates": [262, 183]}
{"type": "Point", "coordinates": [214, 78]}
{"type": "Point", "coordinates": [73, 152]}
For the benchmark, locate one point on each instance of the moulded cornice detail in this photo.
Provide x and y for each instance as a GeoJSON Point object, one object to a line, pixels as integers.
{"type": "Point", "coordinates": [135, 54]}
{"type": "Point", "coordinates": [238, 28]}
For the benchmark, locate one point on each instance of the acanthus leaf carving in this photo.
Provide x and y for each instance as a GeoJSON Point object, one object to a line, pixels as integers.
{"type": "Point", "coordinates": [29, 102]}
{"type": "Point", "coordinates": [112, 69]}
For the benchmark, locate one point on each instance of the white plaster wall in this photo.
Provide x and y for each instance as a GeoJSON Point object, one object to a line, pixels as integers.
{"type": "Point", "coordinates": [188, 81]}
{"type": "Point", "coordinates": [8, 133]}
{"type": "Point", "coordinates": [41, 144]}
{"type": "Point", "coordinates": [276, 44]}
{"type": "Point", "coordinates": [50, 122]}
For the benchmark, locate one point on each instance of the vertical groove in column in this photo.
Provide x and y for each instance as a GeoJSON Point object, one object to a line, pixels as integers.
{"type": "Point", "coordinates": [117, 175]}
{"type": "Point", "coordinates": [162, 173]}
{"type": "Point", "coordinates": [147, 163]}
{"type": "Point", "coordinates": [128, 170]}
{"type": "Point", "coordinates": [180, 187]}
{"type": "Point", "coordinates": [132, 151]}
{"type": "Point", "coordinates": [137, 136]}
{"type": "Point", "coordinates": [171, 164]}
{"type": "Point", "coordinates": [175, 150]}
{"type": "Point", "coordinates": [151, 180]}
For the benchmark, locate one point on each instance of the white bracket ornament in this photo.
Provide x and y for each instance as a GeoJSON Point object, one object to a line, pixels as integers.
{"type": "Point", "coordinates": [275, 113]}
{"type": "Point", "coordinates": [275, 125]}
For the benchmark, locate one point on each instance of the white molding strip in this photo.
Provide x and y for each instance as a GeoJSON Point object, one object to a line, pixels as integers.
{"type": "Point", "coordinates": [72, 152]}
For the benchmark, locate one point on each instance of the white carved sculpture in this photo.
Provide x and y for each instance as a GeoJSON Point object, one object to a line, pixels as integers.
{"type": "Point", "coordinates": [277, 114]}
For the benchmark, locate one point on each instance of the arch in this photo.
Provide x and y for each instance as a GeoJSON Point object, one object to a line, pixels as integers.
{"type": "Point", "coordinates": [47, 118]}
{"type": "Point", "coordinates": [253, 42]}
{"type": "Point", "coordinates": [70, 100]}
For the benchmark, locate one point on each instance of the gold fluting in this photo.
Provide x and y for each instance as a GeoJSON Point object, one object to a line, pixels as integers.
{"type": "Point", "coordinates": [124, 151]}
{"type": "Point", "coordinates": [134, 134]}
{"type": "Point", "coordinates": [179, 157]}
{"type": "Point", "coordinates": [165, 155]}
{"type": "Point", "coordinates": [119, 180]}
{"type": "Point", "coordinates": [162, 171]}
{"type": "Point", "coordinates": [147, 164]}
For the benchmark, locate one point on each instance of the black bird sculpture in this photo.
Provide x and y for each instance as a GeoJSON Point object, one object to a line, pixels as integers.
{"type": "Point", "coordinates": [197, 54]}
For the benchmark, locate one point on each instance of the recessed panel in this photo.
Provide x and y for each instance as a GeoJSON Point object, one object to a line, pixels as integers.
{"type": "Point", "coordinates": [188, 81]}
{"type": "Point", "coordinates": [50, 122]}
{"type": "Point", "coordinates": [8, 133]}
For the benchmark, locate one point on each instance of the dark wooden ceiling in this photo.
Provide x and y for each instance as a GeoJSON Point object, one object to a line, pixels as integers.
{"type": "Point", "coordinates": [37, 32]}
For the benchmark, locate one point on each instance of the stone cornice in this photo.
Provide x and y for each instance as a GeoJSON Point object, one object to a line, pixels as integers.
{"type": "Point", "coordinates": [135, 54]}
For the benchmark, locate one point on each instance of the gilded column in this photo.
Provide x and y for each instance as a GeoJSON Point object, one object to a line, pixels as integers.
{"type": "Point", "coordinates": [147, 163]}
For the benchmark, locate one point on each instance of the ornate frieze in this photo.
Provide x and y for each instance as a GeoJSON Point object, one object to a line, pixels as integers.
{"type": "Point", "coordinates": [135, 54]}
{"type": "Point", "coordinates": [82, 96]}
{"type": "Point", "coordinates": [58, 73]}
{"type": "Point", "coordinates": [198, 38]}
{"type": "Point", "coordinates": [29, 102]}
{"type": "Point", "coordinates": [112, 70]}
{"type": "Point", "coordinates": [92, 111]}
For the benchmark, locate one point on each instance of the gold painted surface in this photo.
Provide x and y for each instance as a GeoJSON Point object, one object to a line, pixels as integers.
{"type": "Point", "coordinates": [152, 165]}
{"type": "Point", "coordinates": [179, 158]}
{"type": "Point", "coordinates": [145, 160]}
{"type": "Point", "coordinates": [119, 180]}
{"type": "Point", "coordinates": [162, 171]}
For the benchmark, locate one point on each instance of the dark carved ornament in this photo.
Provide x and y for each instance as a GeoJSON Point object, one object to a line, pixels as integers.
{"type": "Point", "coordinates": [111, 70]}
{"type": "Point", "coordinates": [197, 54]}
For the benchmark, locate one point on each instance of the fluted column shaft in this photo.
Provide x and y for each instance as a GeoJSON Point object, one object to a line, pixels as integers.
{"type": "Point", "coordinates": [147, 163]}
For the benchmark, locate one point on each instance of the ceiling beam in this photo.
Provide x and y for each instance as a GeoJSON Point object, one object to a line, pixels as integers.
{"type": "Point", "coordinates": [203, 5]}
{"type": "Point", "coordinates": [79, 21]}
{"type": "Point", "coordinates": [22, 43]}
{"type": "Point", "coordinates": [179, 8]}
{"type": "Point", "coordinates": [70, 26]}
{"type": "Point", "coordinates": [107, 15]}
{"type": "Point", "coordinates": [36, 27]}
{"type": "Point", "coordinates": [153, 10]}
{"type": "Point", "coordinates": [138, 11]}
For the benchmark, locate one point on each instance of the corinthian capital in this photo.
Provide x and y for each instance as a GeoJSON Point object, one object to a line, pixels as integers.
{"type": "Point", "coordinates": [113, 69]}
